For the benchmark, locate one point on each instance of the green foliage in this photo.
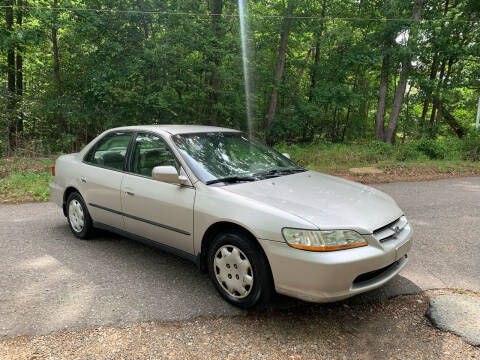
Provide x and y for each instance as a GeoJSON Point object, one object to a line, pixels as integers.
{"type": "Point", "coordinates": [471, 147]}
{"type": "Point", "coordinates": [328, 155]}
{"type": "Point", "coordinates": [343, 156]}
{"type": "Point", "coordinates": [25, 187]}
{"type": "Point", "coordinates": [174, 63]}
{"type": "Point", "coordinates": [409, 152]}
{"type": "Point", "coordinates": [24, 179]}
{"type": "Point", "coordinates": [380, 148]}
{"type": "Point", "coordinates": [432, 149]}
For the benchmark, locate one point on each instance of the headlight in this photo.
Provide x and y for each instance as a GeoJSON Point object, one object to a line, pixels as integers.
{"type": "Point", "coordinates": [316, 240]}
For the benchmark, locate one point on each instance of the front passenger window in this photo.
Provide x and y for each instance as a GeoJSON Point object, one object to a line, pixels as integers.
{"type": "Point", "coordinates": [110, 151]}
{"type": "Point", "coordinates": [150, 151]}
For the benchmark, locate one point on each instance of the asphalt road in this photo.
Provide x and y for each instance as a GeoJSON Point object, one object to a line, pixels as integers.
{"type": "Point", "coordinates": [51, 281]}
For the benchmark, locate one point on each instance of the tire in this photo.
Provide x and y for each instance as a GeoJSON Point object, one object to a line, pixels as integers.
{"type": "Point", "coordinates": [78, 216]}
{"type": "Point", "coordinates": [239, 270]}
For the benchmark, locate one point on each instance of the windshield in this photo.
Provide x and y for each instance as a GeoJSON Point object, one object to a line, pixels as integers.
{"type": "Point", "coordinates": [231, 155]}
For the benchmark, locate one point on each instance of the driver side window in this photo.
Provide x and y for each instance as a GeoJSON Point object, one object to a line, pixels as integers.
{"type": "Point", "coordinates": [150, 151]}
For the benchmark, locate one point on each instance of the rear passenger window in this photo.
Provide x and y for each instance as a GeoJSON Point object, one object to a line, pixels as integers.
{"type": "Point", "coordinates": [150, 151]}
{"type": "Point", "coordinates": [110, 151]}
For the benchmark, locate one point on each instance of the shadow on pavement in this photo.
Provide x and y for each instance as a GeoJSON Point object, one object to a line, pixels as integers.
{"type": "Point", "coordinates": [397, 286]}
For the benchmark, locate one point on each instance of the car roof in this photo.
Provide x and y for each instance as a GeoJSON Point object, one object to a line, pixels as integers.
{"type": "Point", "coordinates": [177, 129]}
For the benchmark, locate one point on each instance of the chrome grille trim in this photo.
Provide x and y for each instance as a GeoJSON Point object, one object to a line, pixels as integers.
{"type": "Point", "coordinates": [389, 231]}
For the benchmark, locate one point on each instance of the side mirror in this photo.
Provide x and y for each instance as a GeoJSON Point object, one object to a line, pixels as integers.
{"type": "Point", "coordinates": [169, 175]}
{"type": "Point", "coordinates": [286, 155]}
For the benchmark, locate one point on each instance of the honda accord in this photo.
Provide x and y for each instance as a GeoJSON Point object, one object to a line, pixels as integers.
{"type": "Point", "coordinates": [243, 212]}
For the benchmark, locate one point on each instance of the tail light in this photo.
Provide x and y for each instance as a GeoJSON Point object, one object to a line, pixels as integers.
{"type": "Point", "coordinates": [53, 169]}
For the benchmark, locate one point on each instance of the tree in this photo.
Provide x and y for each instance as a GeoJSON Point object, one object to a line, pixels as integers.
{"type": "Point", "coordinates": [11, 48]}
{"type": "Point", "coordinates": [11, 93]}
{"type": "Point", "coordinates": [56, 70]}
{"type": "Point", "coordinates": [321, 70]}
{"type": "Point", "coordinates": [19, 66]}
{"type": "Point", "coordinates": [404, 74]}
{"type": "Point", "coordinates": [217, 10]}
{"type": "Point", "coordinates": [391, 31]}
{"type": "Point", "coordinates": [383, 89]}
{"type": "Point", "coordinates": [280, 66]}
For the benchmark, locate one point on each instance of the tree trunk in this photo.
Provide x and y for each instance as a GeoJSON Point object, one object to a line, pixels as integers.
{"type": "Point", "coordinates": [19, 65]}
{"type": "Point", "coordinates": [428, 92]}
{"type": "Point", "coordinates": [407, 116]}
{"type": "Point", "coordinates": [452, 122]}
{"type": "Point", "coordinates": [435, 101]}
{"type": "Point", "coordinates": [433, 115]}
{"type": "Point", "coordinates": [280, 67]}
{"type": "Point", "coordinates": [364, 103]}
{"type": "Point", "coordinates": [397, 105]}
{"type": "Point", "coordinates": [435, 97]}
{"type": "Point", "coordinates": [442, 83]}
{"type": "Point", "coordinates": [10, 76]}
{"type": "Point", "coordinates": [316, 57]}
{"type": "Point", "coordinates": [356, 83]}
{"type": "Point", "coordinates": [402, 83]}
{"type": "Point", "coordinates": [56, 71]}
{"type": "Point", "coordinates": [217, 9]}
{"type": "Point", "coordinates": [382, 92]}
{"type": "Point", "coordinates": [314, 69]}
{"type": "Point", "coordinates": [333, 129]}
{"type": "Point", "coordinates": [347, 120]}
{"type": "Point", "coordinates": [11, 49]}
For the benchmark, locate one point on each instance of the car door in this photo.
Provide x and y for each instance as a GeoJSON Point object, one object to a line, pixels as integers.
{"type": "Point", "coordinates": [102, 176]}
{"type": "Point", "coordinates": [155, 210]}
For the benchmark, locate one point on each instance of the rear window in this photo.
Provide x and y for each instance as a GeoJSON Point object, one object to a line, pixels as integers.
{"type": "Point", "coordinates": [110, 151]}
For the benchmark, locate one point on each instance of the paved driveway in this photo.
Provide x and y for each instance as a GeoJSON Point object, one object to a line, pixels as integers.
{"type": "Point", "coordinates": [50, 281]}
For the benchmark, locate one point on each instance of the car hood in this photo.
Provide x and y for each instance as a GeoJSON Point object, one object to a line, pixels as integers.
{"type": "Point", "coordinates": [325, 201]}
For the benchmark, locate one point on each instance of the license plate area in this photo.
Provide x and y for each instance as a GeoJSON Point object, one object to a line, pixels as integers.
{"type": "Point", "coordinates": [402, 250]}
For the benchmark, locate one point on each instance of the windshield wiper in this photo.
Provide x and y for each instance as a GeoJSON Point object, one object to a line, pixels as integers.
{"type": "Point", "coordinates": [255, 177]}
{"type": "Point", "coordinates": [232, 179]}
{"type": "Point", "coordinates": [278, 172]}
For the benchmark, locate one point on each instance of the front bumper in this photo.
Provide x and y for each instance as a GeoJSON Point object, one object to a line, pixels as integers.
{"type": "Point", "coordinates": [331, 276]}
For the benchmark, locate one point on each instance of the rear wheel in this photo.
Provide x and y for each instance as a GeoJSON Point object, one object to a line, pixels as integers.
{"type": "Point", "coordinates": [78, 216]}
{"type": "Point", "coordinates": [239, 270]}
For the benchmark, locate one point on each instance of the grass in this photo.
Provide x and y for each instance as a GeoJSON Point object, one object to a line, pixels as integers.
{"type": "Point", "coordinates": [377, 162]}
{"type": "Point", "coordinates": [24, 180]}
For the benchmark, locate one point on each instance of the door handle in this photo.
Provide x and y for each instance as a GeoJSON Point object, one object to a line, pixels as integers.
{"type": "Point", "coordinates": [84, 180]}
{"type": "Point", "coordinates": [130, 193]}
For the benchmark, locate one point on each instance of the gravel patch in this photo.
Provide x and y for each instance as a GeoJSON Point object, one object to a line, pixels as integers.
{"type": "Point", "coordinates": [457, 313]}
{"type": "Point", "coordinates": [395, 329]}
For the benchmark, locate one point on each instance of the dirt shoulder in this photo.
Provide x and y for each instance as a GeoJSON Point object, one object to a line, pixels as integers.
{"type": "Point", "coordinates": [396, 172]}
{"type": "Point", "coordinates": [395, 329]}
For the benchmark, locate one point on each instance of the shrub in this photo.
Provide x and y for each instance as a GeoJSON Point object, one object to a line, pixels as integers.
{"type": "Point", "coordinates": [409, 152]}
{"type": "Point", "coordinates": [471, 148]}
{"type": "Point", "coordinates": [432, 149]}
{"type": "Point", "coordinates": [380, 148]}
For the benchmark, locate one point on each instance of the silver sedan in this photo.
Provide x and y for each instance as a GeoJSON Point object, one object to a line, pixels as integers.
{"type": "Point", "coordinates": [246, 214]}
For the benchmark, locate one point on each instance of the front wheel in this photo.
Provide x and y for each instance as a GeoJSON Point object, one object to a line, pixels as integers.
{"type": "Point", "coordinates": [78, 216]}
{"type": "Point", "coordinates": [239, 270]}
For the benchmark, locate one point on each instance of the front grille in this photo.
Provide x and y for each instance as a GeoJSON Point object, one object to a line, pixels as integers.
{"type": "Point", "coordinates": [390, 231]}
{"type": "Point", "coordinates": [373, 274]}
